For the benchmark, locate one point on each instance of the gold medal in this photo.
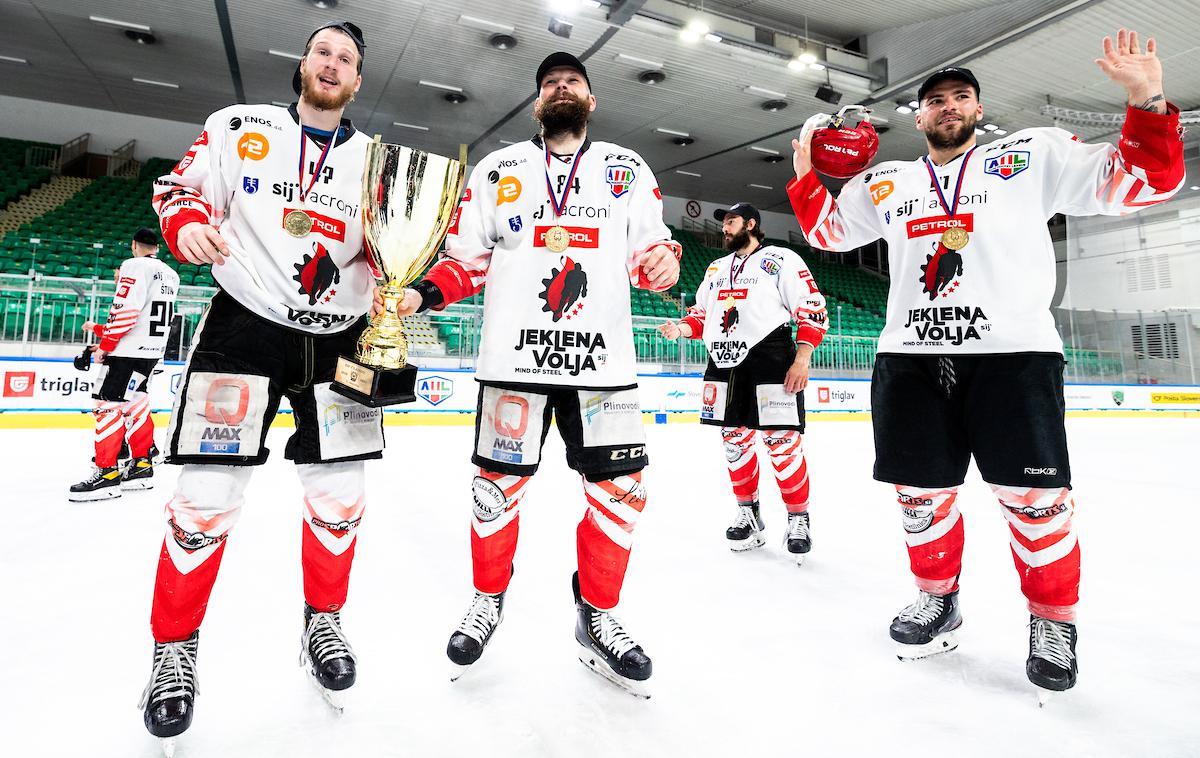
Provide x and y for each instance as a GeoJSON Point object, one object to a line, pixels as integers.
{"type": "Point", "coordinates": [557, 239]}
{"type": "Point", "coordinates": [297, 223]}
{"type": "Point", "coordinates": [955, 238]}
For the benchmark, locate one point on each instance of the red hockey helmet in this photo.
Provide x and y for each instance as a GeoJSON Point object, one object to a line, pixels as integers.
{"type": "Point", "coordinates": [842, 151]}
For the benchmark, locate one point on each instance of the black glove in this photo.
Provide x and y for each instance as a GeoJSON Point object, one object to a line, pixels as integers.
{"type": "Point", "coordinates": [83, 361]}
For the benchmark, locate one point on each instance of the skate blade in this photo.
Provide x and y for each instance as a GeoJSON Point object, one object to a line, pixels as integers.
{"type": "Point", "coordinates": [943, 643]}
{"type": "Point", "coordinates": [799, 558]}
{"type": "Point", "coordinates": [596, 663]}
{"type": "Point", "coordinates": [137, 484]}
{"type": "Point", "coordinates": [750, 543]}
{"type": "Point", "coordinates": [168, 746]}
{"type": "Point", "coordinates": [456, 671]}
{"type": "Point", "coordinates": [335, 698]}
{"type": "Point", "coordinates": [109, 493]}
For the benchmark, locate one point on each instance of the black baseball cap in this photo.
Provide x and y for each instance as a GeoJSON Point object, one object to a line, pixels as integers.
{"type": "Point", "coordinates": [146, 236]}
{"type": "Point", "coordinates": [558, 60]}
{"type": "Point", "coordinates": [944, 74]}
{"type": "Point", "coordinates": [350, 30]}
{"type": "Point", "coordinates": [745, 210]}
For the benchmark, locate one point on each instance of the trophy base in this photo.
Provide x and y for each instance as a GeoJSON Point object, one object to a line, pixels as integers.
{"type": "Point", "coordinates": [372, 386]}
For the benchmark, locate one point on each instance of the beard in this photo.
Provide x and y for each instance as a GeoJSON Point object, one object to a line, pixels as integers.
{"type": "Point", "coordinates": [737, 241]}
{"type": "Point", "coordinates": [312, 93]}
{"type": "Point", "coordinates": [956, 136]}
{"type": "Point", "coordinates": [566, 114]}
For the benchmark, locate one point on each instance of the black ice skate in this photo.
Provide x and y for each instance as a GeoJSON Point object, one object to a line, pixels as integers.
{"type": "Point", "coordinates": [927, 626]}
{"type": "Point", "coordinates": [798, 539]}
{"type": "Point", "coordinates": [607, 649]}
{"type": "Point", "coordinates": [475, 631]}
{"type": "Point", "coordinates": [326, 654]}
{"type": "Point", "coordinates": [138, 475]}
{"type": "Point", "coordinates": [747, 531]}
{"type": "Point", "coordinates": [103, 484]}
{"type": "Point", "coordinates": [168, 699]}
{"type": "Point", "coordinates": [1051, 665]}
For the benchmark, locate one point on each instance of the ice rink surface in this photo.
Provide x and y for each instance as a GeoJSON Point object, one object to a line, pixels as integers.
{"type": "Point", "coordinates": [752, 655]}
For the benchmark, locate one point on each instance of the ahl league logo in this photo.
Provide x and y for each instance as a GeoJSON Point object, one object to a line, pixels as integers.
{"type": "Point", "coordinates": [565, 289]}
{"type": "Point", "coordinates": [620, 179]}
{"type": "Point", "coordinates": [316, 274]}
{"type": "Point", "coordinates": [435, 389]}
{"type": "Point", "coordinates": [1007, 165]}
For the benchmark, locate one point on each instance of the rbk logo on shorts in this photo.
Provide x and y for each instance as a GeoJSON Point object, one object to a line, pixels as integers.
{"type": "Point", "coordinates": [19, 383]}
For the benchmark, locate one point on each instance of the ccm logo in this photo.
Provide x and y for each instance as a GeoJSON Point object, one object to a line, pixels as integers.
{"type": "Point", "coordinates": [330, 228]}
{"type": "Point", "coordinates": [922, 227]}
{"type": "Point", "coordinates": [626, 454]}
{"type": "Point", "coordinates": [580, 236]}
{"type": "Point", "coordinates": [1047, 471]}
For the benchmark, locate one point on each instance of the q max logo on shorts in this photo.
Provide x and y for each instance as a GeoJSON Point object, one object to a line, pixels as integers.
{"type": "Point", "coordinates": [225, 408]}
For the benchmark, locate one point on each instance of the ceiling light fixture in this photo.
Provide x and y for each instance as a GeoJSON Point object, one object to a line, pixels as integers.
{"type": "Point", "coordinates": [902, 108]}
{"type": "Point", "coordinates": [142, 38]}
{"type": "Point", "coordinates": [324, 4]}
{"type": "Point", "coordinates": [694, 31]}
{"type": "Point", "coordinates": [795, 64]}
{"type": "Point", "coordinates": [806, 58]}
{"type": "Point", "coordinates": [283, 54]}
{"type": "Point", "coordinates": [560, 27]}
{"type": "Point", "coordinates": [914, 104]}
{"type": "Point", "coordinates": [766, 150]}
{"type": "Point", "coordinates": [438, 85]}
{"type": "Point", "coordinates": [502, 41]}
{"type": "Point", "coordinates": [11, 59]}
{"type": "Point", "coordinates": [979, 132]}
{"type": "Point", "coordinates": [760, 186]}
{"type": "Point", "coordinates": [693, 173]}
{"type": "Point", "coordinates": [170, 85]}
{"type": "Point", "coordinates": [455, 98]}
{"type": "Point", "coordinates": [772, 158]}
{"type": "Point", "coordinates": [118, 24]}
{"type": "Point", "coordinates": [672, 132]}
{"type": "Point", "coordinates": [753, 90]}
{"type": "Point", "coordinates": [774, 106]}
{"type": "Point", "coordinates": [403, 125]}
{"type": "Point", "coordinates": [817, 66]}
{"type": "Point", "coordinates": [1000, 132]}
{"type": "Point", "coordinates": [280, 103]}
{"type": "Point", "coordinates": [633, 59]}
{"type": "Point", "coordinates": [483, 25]}
{"type": "Point", "coordinates": [710, 37]}
{"type": "Point", "coordinates": [652, 77]}
{"type": "Point", "coordinates": [990, 127]}
{"type": "Point", "coordinates": [684, 141]}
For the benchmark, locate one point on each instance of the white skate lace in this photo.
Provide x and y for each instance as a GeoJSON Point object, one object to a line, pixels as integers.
{"type": "Point", "coordinates": [925, 610]}
{"type": "Point", "coordinates": [482, 617]}
{"type": "Point", "coordinates": [607, 630]}
{"type": "Point", "coordinates": [174, 672]}
{"type": "Point", "coordinates": [745, 518]}
{"type": "Point", "coordinates": [97, 475]}
{"type": "Point", "coordinates": [323, 639]}
{"type": "Point", "coordinates": [798, 527]}
{"type": "Point", "coordinates": [1051, 641]}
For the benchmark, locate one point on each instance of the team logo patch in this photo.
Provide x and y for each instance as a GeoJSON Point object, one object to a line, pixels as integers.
{"type": "Point", "coordinates": [770, 266]}
{"type": "Point", "coordinates": [249, 185]}
{"type": "Point", "coordinates": [1118, 396]}
{"type": "Point", "coordinates": [881, 190]}
{"type": "Point", "coordinates": [620, 179]}
{"type": "Point", "coordinates": [1007, 165]}
{"type": "Point", "coordinates": [317, 274]}
{"type": "Point", "coordinates": [254, 146]}
{"type": "Point", "coordinates": [565, 289]}
{"type": "Point", "coordinates": [514, 223]}
{"type": "Point", "coordinates": [435, 389]}
{"type": "Point", "coordinates": [508, 191]}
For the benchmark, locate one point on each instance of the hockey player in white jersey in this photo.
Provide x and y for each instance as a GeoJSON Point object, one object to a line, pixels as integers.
{"type": "Point", "coordinates": [270, 197]}
{"type": "Point", "coordinates": [132, 342]}
{"type": "Point", "coordinates": [558, 228]}
{"type": "Point", "coordinates": [969, 362]}
{"type": "Point", "coordinates": [754, 383]}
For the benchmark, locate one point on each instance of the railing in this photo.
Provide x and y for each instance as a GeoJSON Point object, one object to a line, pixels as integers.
{"type": "Point", "coordinates": [122, 162]}
{"type": "Point", "coordinates": [707, 231]}
{"type": "Point", "coordinates": [73, 150]}
{"type": "Point", "coordinates": [40, 156]}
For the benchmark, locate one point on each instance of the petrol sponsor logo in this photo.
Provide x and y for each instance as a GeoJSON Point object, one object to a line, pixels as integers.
{"type": "Point", "coordinates": [508, 191]}
{"type": "Point", "coordinates": [329, 228]}
{"type": "Point", "coordinates": [253, 146]}
{"type": "Point", "coordinates": [19, 383]}
{"type": "Point", "coordinates": [249, 185]}
{"type": "Point", "coordinates": [1006, 165]}
{"type": "Point", "coordinates": [929, 225]}
{"type": "Point", "coordinates": [880, 191]}
{"type": "Point", "coordinates": [581, 236]}
{"type": "Point", "coordinates": [435, 389]}
{"type": "Point", "coordinates": [620, 178]}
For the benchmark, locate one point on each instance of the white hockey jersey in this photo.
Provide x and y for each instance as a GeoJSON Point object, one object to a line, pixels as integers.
{"type": "Point", "coordinates": [742, 300]}
{"type": "Point", "coordinates": [557, 319]}
{"type": "Point", "coordinates": [993, 295]}
{"type": "Point", "coordinates": [139, 320]}
{"type": "Point", "coordinates": [242, 176]}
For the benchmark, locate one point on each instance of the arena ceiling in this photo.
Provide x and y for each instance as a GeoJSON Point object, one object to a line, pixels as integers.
{"type": "Point", "coordinates": [216, 52]}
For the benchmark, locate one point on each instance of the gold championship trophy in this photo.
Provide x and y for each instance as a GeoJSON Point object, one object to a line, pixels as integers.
{"type": "Point", "coordinates": [409, 197]}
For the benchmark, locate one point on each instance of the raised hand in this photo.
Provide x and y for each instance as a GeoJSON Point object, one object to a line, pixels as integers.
{"type": "Point", "coordinates": [1139, 73]}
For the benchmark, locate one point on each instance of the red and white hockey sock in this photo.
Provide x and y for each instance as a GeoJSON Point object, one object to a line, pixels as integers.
{"type": "Point", "coordinates": [933, 529]}
{"type": "Point", "coordinates": [791, 470]}
{"type": "Point", "coordinates": [1045, 547]}
{"type": "Point", "coordinates": [494, 524]}
{"type": "Point", "coordinates": [110, 431]}
{"type": "Point", "coordinates": [605, 536]}
{"type": "Point", "coordinates": [139, 425]}
{"type": "Point", "coordinates": [207, 503]}
{"type": "Point", "coordinates": [742, 461]}
{"type": "Point", "coordinates": [334, 500]}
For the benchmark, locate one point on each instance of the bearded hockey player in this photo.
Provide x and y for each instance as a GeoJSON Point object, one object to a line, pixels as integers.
{"type": "Point", "coordinates": [558, 228]}
{"type": "Point", "coordinates": [756, 374]}
{"type": "Point", "coordinates": [269, 196]}
{"type": "Point", "coordinates": [132, 342]}
{"type": "Point", "coordinates": [969, 361]}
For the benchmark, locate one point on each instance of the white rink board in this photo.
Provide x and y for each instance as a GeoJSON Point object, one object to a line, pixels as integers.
{"type": "Point", "coordinates": [55, 385]}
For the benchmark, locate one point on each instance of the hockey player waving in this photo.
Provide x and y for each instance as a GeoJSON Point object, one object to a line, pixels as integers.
{"type": "Point", "coordinates": [270, 197]}
{"type": "Point", "coordinates": [557, 227]}
{"type": "Point", "coordinates": [969, 361]}
{"type": "Point", "coordinates": [756, 372]}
